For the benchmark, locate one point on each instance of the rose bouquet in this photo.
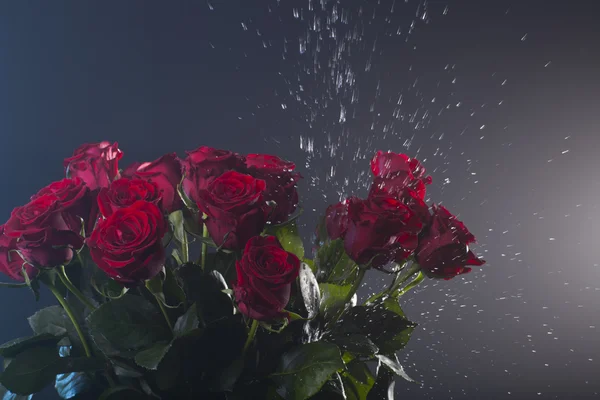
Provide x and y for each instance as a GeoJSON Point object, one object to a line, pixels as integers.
{"type": "Point", "coordinates": [187, 279]}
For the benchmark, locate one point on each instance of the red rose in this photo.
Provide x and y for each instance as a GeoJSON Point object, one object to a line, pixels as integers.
{"type": "Point", "coordinates": [127, 246]}
{"type": "Point", "coordinates": [281, 184]}
{"type": "Point", "coordinates": [380, 230]}
{"type": "Point", "coordinates": [165, 173]}
{"type": "Point", "coordinates": [443, 250]}
{"type": "Point", "coordinates": [44, 237]}
{"type": "Point", "coordinates": [264, 278]}
{"type": "Point", "coordinates": [11, 262]}
{"type": "Point", "coordinates": [336, 220]}
{"type": "Point", "coordinates": [204, 165]}
{"type": "Point", "coordinates": [234, 205]}
{"type": "Point", "coordinates": [97, 164]}
{"type": "Point", "coordinates": [76, 202]}
{"type": "Point", "coordinates": [124, 192]}
{"type": "Point", "coordinates": [393, 172]}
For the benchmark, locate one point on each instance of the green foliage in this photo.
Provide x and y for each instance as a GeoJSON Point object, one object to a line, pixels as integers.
{"type": "Point", "coordinates": [304, 370]}
{"type": "Point", "coordinates": [287, 234]}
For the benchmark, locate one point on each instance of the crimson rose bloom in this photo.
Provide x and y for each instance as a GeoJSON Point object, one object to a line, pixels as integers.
{"type": "Point", "coordinates": [281, 184]}
{"type": "Point", "coordinates": [127, 246]}
{"type": "Point", "coordinates": [124, 192]}
{"type": "Point", "coordinates": [165, 173]}
{"type": "Point", "coordinates": [11, 263]}
{"type": "Point", "coordinates": [97, 164]}
{"type": "Point", "coordinates": [234, 205]}
{"type": "Point", "coordinates": [44, 237]}
{"type": "Point", "coordinates": [443, 250]}
{"type": "Point", "coordinates": [393, 172]}
{"type": "Point", "coordinates": [264, 279]}
{"type": "Point", "coordinates": [380, 230]}
{"type": "Point", "coordinates": [204, 165]}
{"type": "Point", "coordinates": [76, 203]}
{"type": "Point", "coordinates": [336, 220]}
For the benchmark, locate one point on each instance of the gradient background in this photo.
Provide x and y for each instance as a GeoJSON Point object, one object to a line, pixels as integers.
{"type": "Point", "coordinates": [498, 99]}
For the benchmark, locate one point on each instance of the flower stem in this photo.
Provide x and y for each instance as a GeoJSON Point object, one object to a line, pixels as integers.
{"type": "Point", "coordinates": [69, 312]}
{"type": "Point", "coordinates": [204, 247]}
{"type": "Point", "coordinates": [185, 253]}
{"type": "Point", "coordinates": [163, 310]}
{"type": "Point", "coordinates": [418, 279]}
{"type": "Point", "coordinates": [251, 335]}
{"type": "Point", "coordinates": [356, 284]}
{"type": "Point", "coordinates": [64, 278]}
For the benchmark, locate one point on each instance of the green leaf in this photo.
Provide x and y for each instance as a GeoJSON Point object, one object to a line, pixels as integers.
{"type": "Point", "coordinates": [383, 389]}
{"type": "Point", "coordinates": [304, 370]}
{"type": "Point", "coordinates": [172, 290]}
{"type": "Point", "coordinates": [288, 236]}
{"type": "Point", "coordinates": [176, 221]}
{"type": "Point", "coordinates": [187, 322]}
{"type": "Point", "coordinates": [6, 394]}
{"type": "Point", "coordinates": [122, 393]}
{"type": "Point", "coordinates": [206, 291]}
{"type": "Point", "coordinates": [355, 343]}
{"type": "Point", "coordinates": [35, 368]}
{"type": "Point", "coordinates": [54, 320]}
{"type": "Point", "coordinates": [387, 329]}
{"type": "Point", "coordinates": [151, 358]}
{"type": "Point", "coordinates": [309, 287]}
{"type": "Point", "coordinates": [125, 324]}
{"type": "Point", "coordinates": [394, 365]}
{"type": "Point", "coordinates": [15, 346]}
{"type": "Point", "coordinates": [358, 380]}
{"type": "Point", "coordinates": [334, 265]}
{"type": "Point", "coordinates": [333, 298]}
{"type": "Point", "coordinates": [229, 376]}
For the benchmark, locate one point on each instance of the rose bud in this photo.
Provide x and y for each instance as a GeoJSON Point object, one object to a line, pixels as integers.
{"type": "Point", "coordinates": [97, 164]}
{"type": "Point", "coordinates": [380, 230]}
{"type": "Point", "coordinates": [124, 192]}
{"type": "Point", "coordinates": [393, 172]}
{"type": "Point", "coordinates": [11, 262]}
{"type": "Point", "coordinates": [443, 250]}
{"type": "Point", "coordinates": [204, 165]}
{"type": "Point", "coordinates": [45, 239]}
{"type": "Point", "coordinates": [281, 184]}
{"type": "Point", "coordinates": [264, 279]}
{"type": "Point", "coordinates": [165, 173]}
{"type": "Point", "coordinates": [127, 246]}
{"type": "Point", "coordinates": [233, 204]}
{"type": "Point", "coordinates": [336, 220]}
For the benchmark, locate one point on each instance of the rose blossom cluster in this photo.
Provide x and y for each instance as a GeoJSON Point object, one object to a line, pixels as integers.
{"type": "Point", "coordinates": [121, 215]}
{"type": "Point", "coordinates": [393, 223]}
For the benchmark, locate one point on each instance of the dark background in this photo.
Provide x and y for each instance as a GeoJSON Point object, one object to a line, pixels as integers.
{"type": "Point", "coordinates": [498, 99]}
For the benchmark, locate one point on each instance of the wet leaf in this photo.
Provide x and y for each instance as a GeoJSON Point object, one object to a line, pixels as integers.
{"type": "Point", "coordinates": [309, 287]}
{"type": "Point", "coordinates": [358, 380]}
{"type": "Point", "coordinates": [54, 320]}
{"type": "Point", "coordinates": [333, 298]}
{"type": "Point", "coordinates": [6, 394]}
{"type": "Point", "coordinates": [288, 236]}
{"type": "Point", "coordinates": [304, 370]}
{"type": "Point", "coordinates": [394, 365]}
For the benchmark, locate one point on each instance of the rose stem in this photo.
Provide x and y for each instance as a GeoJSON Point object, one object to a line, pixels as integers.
{"type": "Point", "coordinates": [64, 278]}
{"type": "Point", "coordinates": [356, 284]}
{"type": "Point", "coordinates": [69, 312]}
{"type": "Point", "coordinates": [204, 235]}
{"type": "Point", "coordinates": [185, 253]}
{"type": "Point", "coordinates": [251, 335]}
{"type": "Point", "coordinates": [162, 308]}
{"type": "Point", "coordinates": [418, 279]}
